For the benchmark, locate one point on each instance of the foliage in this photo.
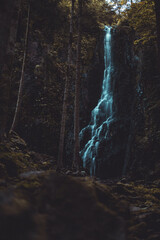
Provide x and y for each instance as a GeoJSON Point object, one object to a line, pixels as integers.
{"type": "Point", "coordinates": [141, 16]}
{"type": "Point", "coordinates": [46, 65]}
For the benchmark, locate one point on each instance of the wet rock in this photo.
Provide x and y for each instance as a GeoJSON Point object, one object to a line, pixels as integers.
{"type": "Point", "coordinates": [68, 172]}
{"type": "Point", "coordinates": [76, 173]}
{"type": "Point", "coordinates": [30, 174]}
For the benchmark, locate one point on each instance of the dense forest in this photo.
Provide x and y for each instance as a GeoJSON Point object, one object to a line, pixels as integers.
{"type": "Point", "coordinates": [80, 119]}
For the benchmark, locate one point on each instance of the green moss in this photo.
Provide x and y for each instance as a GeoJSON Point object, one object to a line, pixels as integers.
{"type": "Point", "coordinates": [150, 198]}
{"type": "Point", "coordinates": [141, 189]}
{"type": "Point", "coordinates": [13, 163]}
{"type": "Point", "coordinates": [139, 229]}
{"type": "Point", "coordinates": [29, 184]}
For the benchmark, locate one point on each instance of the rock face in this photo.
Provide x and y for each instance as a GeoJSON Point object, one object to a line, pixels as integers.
{"type": "Point", "coordinates": [113, 153]}
{"type": "Point", "coordinates": [114, 147]}
{"type": "Point", "coordinates": [92, 83]}
{"type": "Point", "coordinates": [146, 116]}
{"type": "Point", "coordinates": [131, 141]}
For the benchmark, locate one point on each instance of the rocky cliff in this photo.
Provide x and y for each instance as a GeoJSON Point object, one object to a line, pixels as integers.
{"type": "Point", "coordinates": [132, 137]}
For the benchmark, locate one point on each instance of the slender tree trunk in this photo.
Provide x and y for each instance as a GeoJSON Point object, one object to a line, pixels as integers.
{"type": "Point", "coordinates": [157, 10]}
{"type": "Point", "coordinates": [19, 34]}
{"type": "Point", "coordinates": [19, 99]}
{"type": "Point", "coordinates": [14, 28]}
{"type": "Point", "coordinates": [66, 92]}
{"type": "Point", "coordinates": [77, 91]}
{"type": "Point", "coordinates": [130, 140]}
{"type": "Point", "coordinates": [7, 71]}
{"type": "Point", "coordinates": [6, 12]}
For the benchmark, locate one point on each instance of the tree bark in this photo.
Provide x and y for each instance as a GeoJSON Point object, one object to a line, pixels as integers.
{"type": "Point", "coordinates": [76, 160]}
{"type": "Point", "coordinates": [20, 91]}
{"type": "Point", "coordinates": [157, 10]}
{"type": "Point", "coordinates": [7, 70]}
{"type": "Point", "coordinates": [66, 92]}
{"type": "Point", "coordinates": [6, 12]}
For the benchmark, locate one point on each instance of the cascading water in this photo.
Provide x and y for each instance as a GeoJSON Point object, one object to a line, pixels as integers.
{"type": "Point", "coordinates": [101, 115]}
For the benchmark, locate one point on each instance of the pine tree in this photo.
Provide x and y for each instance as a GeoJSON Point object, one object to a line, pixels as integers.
{"type": "Point", "coordinates": [66, 91]}
{"type": "Point", "coordinates": [6, 12]}
{"type": "Point", "coordinates": [77, 90]}
{"type": "Point", "coordinates": [157, 10]}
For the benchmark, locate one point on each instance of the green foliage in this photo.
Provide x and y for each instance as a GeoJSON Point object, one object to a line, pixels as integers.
{"type": "Point", "coordinates": [141, 17]}
{"type": "Point", "coordinates": [42, 101]}
{"type": "Point", "coordinates": [96, 14]}
{"type": "Point", "coordinates": [46, 65]}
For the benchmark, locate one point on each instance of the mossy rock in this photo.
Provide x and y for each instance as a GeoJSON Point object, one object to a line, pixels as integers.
{"type": "Point", "coordinates": [139, 229]}
{"type": "Point", "coordinates": [30, 184]}
{"type": "Point", "coordinates": [124, 190]}
{"type": "Point", "coordinates": [17, 142]}
{"type": "Point", "coordinates": [13, 163]}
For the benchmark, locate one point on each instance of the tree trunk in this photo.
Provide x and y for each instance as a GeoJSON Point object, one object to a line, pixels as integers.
{"type": "Point", "coordinates": [130, 140]}
{"type": "Point", "coordinates": [157, 10]}
{"type": "Point", "coordinates": [19, 99]}
{"type": "Point", "coordinates": [77, 91]}
{"type": "Point", "coordinates": [7, 70]}
{"type": "Point", "coordinates": [66, 91]}
{"type": "Point", "coordinates": [6, 12]}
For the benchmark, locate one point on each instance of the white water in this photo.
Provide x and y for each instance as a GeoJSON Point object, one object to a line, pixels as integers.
{"type": "Point", "coordinates": [102, 113]}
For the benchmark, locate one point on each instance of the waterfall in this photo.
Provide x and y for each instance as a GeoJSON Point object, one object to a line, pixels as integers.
{"type": "Point", "coordinates": [101, 115]}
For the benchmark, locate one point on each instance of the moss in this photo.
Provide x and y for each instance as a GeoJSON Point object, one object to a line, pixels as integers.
{"type": "Point", "coordinates": [151, 194]}
{"type": "Point", "coordinates": [33, 184]}
{"type": "Point", "coordinates": [4, 147]}
{"type": "Point", "coordinates": [13, 162]}
{"type": "Point", "coordinates": [141, 189]}
{"type": "Point", "coordinates": [138, 230]}
{"type": "Point", "coordinates": [127, 190]}
{"type": "Point", "coordinates": [151, 198]}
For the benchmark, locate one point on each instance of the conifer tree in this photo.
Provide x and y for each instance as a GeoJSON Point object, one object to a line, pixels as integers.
{"type": "Point", "coordinates": [6, 12]}
{"type": "Point", "coordinates": [157, 10]}
{"type": "Point", "coordinates": [77, 91]}
{"type": "Point", "coordinates": [66, 92]}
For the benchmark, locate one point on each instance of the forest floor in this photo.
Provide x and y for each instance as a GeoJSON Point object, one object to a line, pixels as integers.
{"type": "Point", "coordinates": [36, 203]}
